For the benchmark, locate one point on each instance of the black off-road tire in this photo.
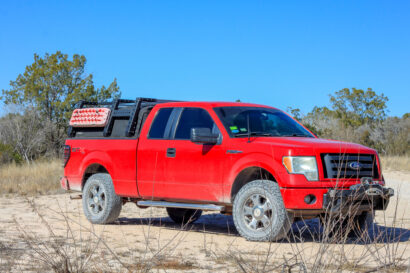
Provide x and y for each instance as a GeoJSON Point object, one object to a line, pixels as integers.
{"type": "Point", "coordinates": [108, 205]}
{"type": "Point", "coordinates": [362, 223]}
{"type": "Point", "coordinates": [265, 196]}
{"type": "Point", "coordinates": [342, 227]}
{"type": "Point", "coordinates": [184, 216]}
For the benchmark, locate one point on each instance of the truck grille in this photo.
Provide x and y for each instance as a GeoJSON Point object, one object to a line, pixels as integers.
{"type": "Point", "coordinates": [351, 166]}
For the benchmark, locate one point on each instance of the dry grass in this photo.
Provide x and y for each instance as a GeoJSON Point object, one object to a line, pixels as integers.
{"type": "Point", "coordinates": [396, 163]}
{"type": "Point", "coordinates": [40, 177]}
{"type": "Point", "coordinates": [381, 247]}
{"type": "Point", "coordinates": [176, 264]}
{"type": "Point", "coordinates": [78, 247]}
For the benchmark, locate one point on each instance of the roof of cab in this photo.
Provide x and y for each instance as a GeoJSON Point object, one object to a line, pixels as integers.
{"type": "Point", "coordinates": [210, 103]}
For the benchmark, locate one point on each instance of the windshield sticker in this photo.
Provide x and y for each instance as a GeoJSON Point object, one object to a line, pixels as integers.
{"type": "Point", "coordinates": [234, 129]}
{"type": "Point", "coordinates": [243, 129]}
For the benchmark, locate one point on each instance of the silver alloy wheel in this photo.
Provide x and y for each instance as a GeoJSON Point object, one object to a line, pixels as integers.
{"type": "Point", "coordinates": [96, 199]}
{"type": "Point", "coordinates": [257, 212]}
{"type": "Point", "coordinates": [101, 204]}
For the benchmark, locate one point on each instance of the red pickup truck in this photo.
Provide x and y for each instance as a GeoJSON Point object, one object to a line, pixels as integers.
{"type": "Point", "coordinates": [252, 161]}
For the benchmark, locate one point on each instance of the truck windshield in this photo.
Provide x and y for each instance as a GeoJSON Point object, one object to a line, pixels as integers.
{"type": "Point", "coordinates": [258, 121]}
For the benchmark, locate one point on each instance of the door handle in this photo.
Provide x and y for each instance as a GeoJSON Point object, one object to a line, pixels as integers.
{"type": "Point", "coordinates": [171, 152]}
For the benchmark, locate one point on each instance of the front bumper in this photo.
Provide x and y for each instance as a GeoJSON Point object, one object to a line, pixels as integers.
{"type": "Point", "coordinates": [357, 197]}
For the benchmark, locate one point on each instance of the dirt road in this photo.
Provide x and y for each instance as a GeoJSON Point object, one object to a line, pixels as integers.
{"type": "Point", "coordinates": [33, 229]}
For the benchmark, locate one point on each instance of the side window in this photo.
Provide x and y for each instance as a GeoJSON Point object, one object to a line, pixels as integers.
{"type": "Point", "coordinates": [159, 124]}
{"type": "Point", "coordinates": [192, 118]}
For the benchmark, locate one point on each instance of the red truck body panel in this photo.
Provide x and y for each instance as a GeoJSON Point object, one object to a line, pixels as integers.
{"type": "Point", "coordinates": [199, 173]}
{"type": "Point", "coordinates": [117, 156]}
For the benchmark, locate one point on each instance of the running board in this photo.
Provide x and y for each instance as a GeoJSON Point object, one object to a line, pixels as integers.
{"type": "Point", "coordinates": [164, 204]}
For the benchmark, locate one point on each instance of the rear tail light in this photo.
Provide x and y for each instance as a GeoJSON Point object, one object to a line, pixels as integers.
{"type": "Point", "coordinates": [67, 153]}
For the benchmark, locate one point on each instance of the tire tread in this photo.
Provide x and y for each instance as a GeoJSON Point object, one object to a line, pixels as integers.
{"type": "Point", "coordinates": [114, 202]}
{"type": "Point", "coordinates": [285, 218]}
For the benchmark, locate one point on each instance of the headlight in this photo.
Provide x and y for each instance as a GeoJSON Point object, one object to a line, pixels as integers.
{"type": "Point", "coordinates": [305, 165]}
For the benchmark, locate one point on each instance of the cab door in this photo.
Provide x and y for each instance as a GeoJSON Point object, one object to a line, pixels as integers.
{"type": "Point", "coordinates": [151, 154]}
{"type": "Point", "coordinates": [194, 171]}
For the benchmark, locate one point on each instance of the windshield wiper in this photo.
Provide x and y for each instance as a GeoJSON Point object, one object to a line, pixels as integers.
{"type": "Point", "coordinates": [295, 135]}
{"type": "Point", "coordinates": [253, 134]}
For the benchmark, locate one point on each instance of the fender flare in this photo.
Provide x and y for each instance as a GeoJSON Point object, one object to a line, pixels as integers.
{"type": "Point", "coordinates": [100, 158]}
{"type": "Point", "coordinates": [256, 160]}
{"type": "Point", "coordinates": [253, 160]}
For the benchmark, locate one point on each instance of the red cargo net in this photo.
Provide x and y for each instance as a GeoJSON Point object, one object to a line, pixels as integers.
{"type": "Point", "coordinates": [90, 117]}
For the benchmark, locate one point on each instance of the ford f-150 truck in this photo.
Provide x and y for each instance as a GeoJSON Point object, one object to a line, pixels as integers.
{"type": "Point", "coordinates": [252, 161]}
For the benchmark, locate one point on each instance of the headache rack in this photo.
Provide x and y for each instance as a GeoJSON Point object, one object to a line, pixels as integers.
{"type": "Point", "coordinates": [125, 117]}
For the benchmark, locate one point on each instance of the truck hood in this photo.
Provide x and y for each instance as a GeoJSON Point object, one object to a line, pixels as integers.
{"type": "Point", "coordinates": [305, 144]}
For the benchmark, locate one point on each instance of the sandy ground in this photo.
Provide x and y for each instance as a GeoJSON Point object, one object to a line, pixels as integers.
{"type": "Point", "coordinates": [147, 238]}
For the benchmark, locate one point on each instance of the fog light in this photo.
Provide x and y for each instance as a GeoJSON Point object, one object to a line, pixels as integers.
{"type": "Point", "coordinates": [310, 199]}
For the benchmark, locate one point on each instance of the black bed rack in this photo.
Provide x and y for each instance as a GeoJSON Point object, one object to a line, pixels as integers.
{"type": "Point", "coordinates": [120, 109]}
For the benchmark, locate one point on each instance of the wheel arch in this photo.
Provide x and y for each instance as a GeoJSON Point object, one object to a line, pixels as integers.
{"type": "Point", "coordinates": [247, 175]}
{"type": "Point", "coordinates": [96, 162]}
{"type": "Point", "coordinates": [91, 169]}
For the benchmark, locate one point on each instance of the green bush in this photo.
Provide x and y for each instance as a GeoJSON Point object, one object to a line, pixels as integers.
{"type": "Point", "coordinates": [7, 154]}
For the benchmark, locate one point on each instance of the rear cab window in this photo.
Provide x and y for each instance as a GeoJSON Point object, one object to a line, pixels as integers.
{"type": "Point", "coordinates": [159, 125]}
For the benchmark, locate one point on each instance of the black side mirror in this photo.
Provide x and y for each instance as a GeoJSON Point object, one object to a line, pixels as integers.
{"type": "Point", "coordinates": [204, 136]}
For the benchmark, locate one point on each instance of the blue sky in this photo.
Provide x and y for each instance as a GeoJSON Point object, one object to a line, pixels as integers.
{"type": "Point", "coordinates": [287, 53]}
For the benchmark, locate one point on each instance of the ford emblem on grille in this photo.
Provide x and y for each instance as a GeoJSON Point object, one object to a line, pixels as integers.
{"type": "Point", "coordinates": [355, 166]}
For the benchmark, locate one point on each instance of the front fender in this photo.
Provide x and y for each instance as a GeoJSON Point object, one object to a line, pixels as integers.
{"type": "Point", "coordinates": [254, 160]}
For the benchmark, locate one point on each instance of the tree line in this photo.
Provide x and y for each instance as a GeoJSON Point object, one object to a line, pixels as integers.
{"type": "Point", "coordinates": [39, 104]}
{"type": "Point", "coordinates": [40, 101]}
{"type": "Point", "coordinates": [359, 116]}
